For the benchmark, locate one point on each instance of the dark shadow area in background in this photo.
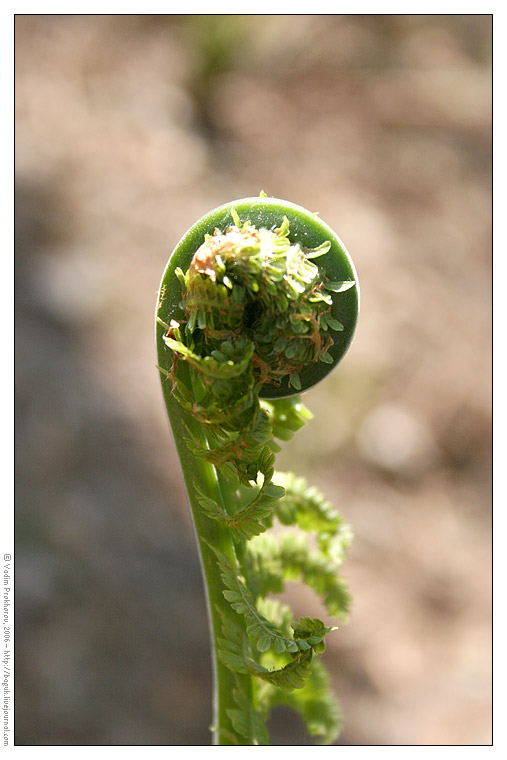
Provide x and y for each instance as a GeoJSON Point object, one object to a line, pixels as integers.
{"type": "Point", "coordinates": [108, 587]}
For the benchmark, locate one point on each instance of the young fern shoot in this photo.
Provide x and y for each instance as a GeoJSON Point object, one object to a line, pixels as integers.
{"type": "Point", "coordinates": [259, 301]}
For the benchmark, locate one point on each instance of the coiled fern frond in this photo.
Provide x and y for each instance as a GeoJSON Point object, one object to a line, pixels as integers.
{"type": "Point", "coordinates": [258, 302]}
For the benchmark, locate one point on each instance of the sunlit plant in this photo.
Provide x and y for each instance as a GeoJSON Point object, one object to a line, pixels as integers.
{"type": "Point", "coordinates": [258, 302]}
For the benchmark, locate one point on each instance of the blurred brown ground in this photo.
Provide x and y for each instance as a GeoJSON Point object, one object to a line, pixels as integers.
{"type": "Point", "coordinates": [128, 129]}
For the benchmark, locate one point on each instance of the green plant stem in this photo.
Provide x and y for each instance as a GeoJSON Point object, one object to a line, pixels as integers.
{"type": "Point", "coordinates": [198, 472]}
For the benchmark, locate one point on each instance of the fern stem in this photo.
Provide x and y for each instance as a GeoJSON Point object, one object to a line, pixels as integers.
{"type": "Point", "coordinates": [208, 533]}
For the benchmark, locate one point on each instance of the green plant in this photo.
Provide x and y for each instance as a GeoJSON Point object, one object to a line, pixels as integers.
{"type": "Point", "coordinates": [258, 302]}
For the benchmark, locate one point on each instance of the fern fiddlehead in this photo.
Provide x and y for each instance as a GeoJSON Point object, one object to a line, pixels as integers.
{"type": "Point", "coordinates": [258, 302]}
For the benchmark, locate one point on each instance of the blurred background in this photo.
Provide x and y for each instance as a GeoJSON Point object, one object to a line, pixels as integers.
{"type": "Point", "coordinates": [128, 129]}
